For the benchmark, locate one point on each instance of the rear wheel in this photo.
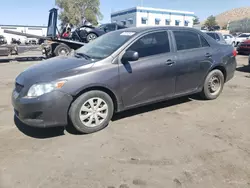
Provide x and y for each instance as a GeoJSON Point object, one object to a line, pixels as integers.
{"type": "Point", "coordinates": [213, 85]}
{"type": "Point", "coordinates": [62, 50]}
{"type": "Point", "coordinates": [91, 111]}
{"type": "Point", "coordinates": [91, 36]}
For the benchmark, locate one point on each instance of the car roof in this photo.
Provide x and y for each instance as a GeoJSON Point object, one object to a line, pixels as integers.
{"type": "Point", "coordinates": [155, 28]}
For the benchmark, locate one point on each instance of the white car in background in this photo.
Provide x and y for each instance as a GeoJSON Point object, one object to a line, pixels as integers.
{"type": "Point", "coordinates": [240, 38]}
{"type": "Point", "coordinates": [230, 39]}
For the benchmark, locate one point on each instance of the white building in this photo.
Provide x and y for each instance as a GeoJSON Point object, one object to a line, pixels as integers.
{"type": "Point", "coordinates": [142, 16]}
{"type": "Point", "coordinates": [34, 30]}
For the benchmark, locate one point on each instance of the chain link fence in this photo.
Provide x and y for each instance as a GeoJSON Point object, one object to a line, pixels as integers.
{"type": "Point", "coordinates": [239, 26]}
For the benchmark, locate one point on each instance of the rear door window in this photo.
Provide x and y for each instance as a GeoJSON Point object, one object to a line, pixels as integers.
{"type": "Point", "coordinates": [186, 40]}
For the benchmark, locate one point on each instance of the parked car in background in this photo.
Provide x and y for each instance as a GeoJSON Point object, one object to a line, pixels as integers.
{"type": "Point", "coordinates": [217, 36]}
{"type": "Point", "coordinates": [240, 38]}
{"type": "Point", "coordinates": [121, 70]}
{"type": "Point", "coordinates": [3, 40]}
{"type": "Point", "coordinates": [244, 47]}
{"type": "Point", "coordinates": [31, 41]}
{"type": "Point", "coordinates": [111, 27]}
{"type": "Point", "coordinates": [230, 39]}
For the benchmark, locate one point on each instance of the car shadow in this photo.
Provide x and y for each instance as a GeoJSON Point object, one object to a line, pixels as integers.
{"type": "Point", "coordinates": [21, 59]}
{"type": "Point", "coordinates": [152, 107]}
{"type": "Point", "coordinates": [39, 133]}
{"type": "Point", "coordinates": [243, 69]}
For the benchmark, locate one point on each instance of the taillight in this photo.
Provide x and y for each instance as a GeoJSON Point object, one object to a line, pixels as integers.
{"type": "Point", "coordinates": [234, 53]}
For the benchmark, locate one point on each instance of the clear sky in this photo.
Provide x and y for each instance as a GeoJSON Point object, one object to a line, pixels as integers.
{"type": "Point", "coordinates": [35, 12]}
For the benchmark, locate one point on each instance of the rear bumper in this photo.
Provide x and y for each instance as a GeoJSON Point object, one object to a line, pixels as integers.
{"type": "Point", "coordinates": [49, 110]}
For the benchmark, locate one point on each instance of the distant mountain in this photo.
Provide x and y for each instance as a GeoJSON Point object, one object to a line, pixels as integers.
{"type": "Point", "coordinates": [232, 15]}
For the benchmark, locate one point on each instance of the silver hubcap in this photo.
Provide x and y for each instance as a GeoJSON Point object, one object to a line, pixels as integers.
{"type": "Point", "coordinates": [93, 112]}
{"type": "Point", "coordinates": [63, 52]}
{"type": "Point", "coordinates": [91, 37]}
{"type": "Point", "coordinates": [214, 85]}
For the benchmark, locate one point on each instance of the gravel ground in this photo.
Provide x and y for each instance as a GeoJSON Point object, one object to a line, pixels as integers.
{"type": "Point", "coordinates": [183, 143]}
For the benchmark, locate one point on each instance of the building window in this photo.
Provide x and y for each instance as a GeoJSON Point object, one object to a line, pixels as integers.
{"type": "Point", "coordinates": [177, 22]}
{"type": "Point", "coordinates": [157, 21]}
{"type": "Point", "coordinates": [143, 20]}
{"type": "Point", "coordinates": [167, 22]}
{"type": "Point", "coordinates": [186, 23]}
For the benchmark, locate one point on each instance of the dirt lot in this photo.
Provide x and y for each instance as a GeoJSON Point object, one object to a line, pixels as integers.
{"type": "Point", "coordinates": [185, 143]}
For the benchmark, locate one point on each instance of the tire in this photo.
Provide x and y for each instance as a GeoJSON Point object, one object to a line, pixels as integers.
{"type": "Point", "coordinates": [62, 50]}
{"type": "Point", "coordinates": [82, 102]}
{"type": "Point", "coordinates": [91, 36]}
{"type": "Point", "coordinates": [209, 92]}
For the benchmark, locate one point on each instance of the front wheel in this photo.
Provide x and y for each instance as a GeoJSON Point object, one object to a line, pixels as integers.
{"type": "Point", "coordinates": [91, 111]}
{"type": "Point", "coordinates": [213, 85]}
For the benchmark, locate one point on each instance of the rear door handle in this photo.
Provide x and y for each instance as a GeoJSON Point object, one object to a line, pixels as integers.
{"type": "Point", "coordinates": [170, 62]}
{"type": "Point", "coordinates": [208, 55]}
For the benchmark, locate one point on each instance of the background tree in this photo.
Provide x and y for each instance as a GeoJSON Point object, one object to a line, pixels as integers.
{"type": "Point", "coordinates": [196, 20]}
{"type": "Point", "coordinates": [74, 11]}
{"type": "Point", "coordinates": [210, 22]}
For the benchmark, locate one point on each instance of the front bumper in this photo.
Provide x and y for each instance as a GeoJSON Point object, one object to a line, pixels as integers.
{"type": "Point", "coordinates": [48, 110]}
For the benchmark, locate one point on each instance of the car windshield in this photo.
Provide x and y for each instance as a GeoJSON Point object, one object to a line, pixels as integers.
{"type": "Point", "coordinates": [244, 35]}
{"type": "Point", "coordinates": [105, 45]}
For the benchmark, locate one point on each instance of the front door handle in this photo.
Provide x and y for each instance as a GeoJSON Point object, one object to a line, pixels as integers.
{"type": "Point", "coordinates": [170, 62]}
{"type": "Point", "coordinates": [208, 55]}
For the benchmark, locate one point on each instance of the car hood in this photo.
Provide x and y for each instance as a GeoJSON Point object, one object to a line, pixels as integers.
{"type": "Point", "coordinates": [52, 69]}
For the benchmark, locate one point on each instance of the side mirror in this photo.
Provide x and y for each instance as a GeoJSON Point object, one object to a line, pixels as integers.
{"type": "Point", "coordinates": [130, 56]}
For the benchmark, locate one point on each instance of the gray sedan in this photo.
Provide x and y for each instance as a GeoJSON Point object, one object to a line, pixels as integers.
{"type": "Point", "coordinates": [121, 70]}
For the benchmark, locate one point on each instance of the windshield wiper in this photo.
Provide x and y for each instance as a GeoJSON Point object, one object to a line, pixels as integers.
{"type": "Point", "coordinates": [82, 55]}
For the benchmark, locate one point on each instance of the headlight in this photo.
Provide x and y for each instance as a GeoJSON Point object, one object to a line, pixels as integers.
{"type": "Point", "coordinates": [37, 90]}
